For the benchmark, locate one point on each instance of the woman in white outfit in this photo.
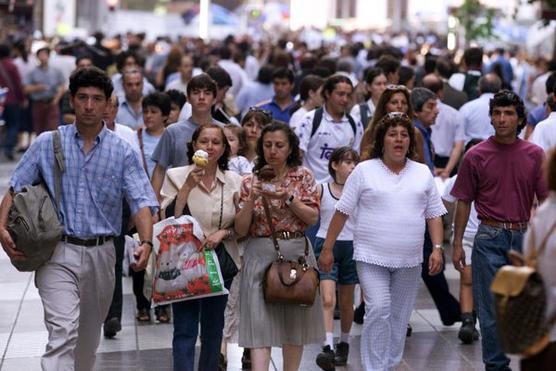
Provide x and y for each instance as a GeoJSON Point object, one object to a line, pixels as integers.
{"type": "Point", "coordinates": [395, 197]}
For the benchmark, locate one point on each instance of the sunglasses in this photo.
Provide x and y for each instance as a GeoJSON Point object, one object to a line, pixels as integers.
{"type": "Point", "coordinates": [396, 87]}
{"type": "Point", "coordinates": [265, 112]}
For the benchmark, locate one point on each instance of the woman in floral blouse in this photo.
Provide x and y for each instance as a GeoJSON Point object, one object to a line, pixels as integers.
{"type": "Point", "coordinates": [294, 204]}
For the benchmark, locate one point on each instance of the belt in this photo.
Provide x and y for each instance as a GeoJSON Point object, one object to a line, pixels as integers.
{"type": "Point", "coordinates": [514, 226]}
{"type": "Point", "coordinates": [283, 235]}
{"type": "Point", "coordinates": [89, 242]}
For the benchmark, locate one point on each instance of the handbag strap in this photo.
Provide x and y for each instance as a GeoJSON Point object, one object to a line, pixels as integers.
{"type": "Point", "coordinates": [221, 207]}
{"type": "Point", "coordinates": [59, 167]}
{"type": "Point", "coordinates": [140, 140]}
{"type": "Point", "coordinates": [270, 225]}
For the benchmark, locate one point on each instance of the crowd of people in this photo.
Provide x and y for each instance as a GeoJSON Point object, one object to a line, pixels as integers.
{"type": "Point", "coordinates": [381, 158]}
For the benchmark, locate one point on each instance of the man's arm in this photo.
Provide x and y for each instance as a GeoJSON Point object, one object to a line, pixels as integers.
{"type": "Point", "coordinates": [463, 208]}
{"type": "Point", "coordinates": [144, 224]}
{"type": "Point", "coordinates": [454, 157]}
{"type": "Point", "coordinates": [157, 179]}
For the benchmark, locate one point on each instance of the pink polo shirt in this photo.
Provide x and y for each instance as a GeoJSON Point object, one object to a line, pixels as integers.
{"type": "Point", "coordinates": [502, 179]}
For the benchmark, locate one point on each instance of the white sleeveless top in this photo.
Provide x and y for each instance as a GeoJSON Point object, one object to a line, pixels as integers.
{"type": "Point", "coordinates": [327, 210]}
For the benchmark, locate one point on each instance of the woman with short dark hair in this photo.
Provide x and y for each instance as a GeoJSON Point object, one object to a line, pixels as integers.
{"type": "Point", "coordinates": [392, 193]}
{"type": "Point", "coordinates": [294, 205]}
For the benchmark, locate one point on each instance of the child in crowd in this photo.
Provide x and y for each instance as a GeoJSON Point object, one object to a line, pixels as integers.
{"type": "Point", "coordinates": [177, 99]}
{"type": "Point", "coordinates": [341, 164]}
{"type": "Point", "coordinates": [238, 142]}
{"type": "Point", "coordinates": [468, 332]}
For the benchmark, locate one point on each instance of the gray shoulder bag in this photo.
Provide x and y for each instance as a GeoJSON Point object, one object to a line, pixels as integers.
{"type": "Point", "coordinates": [33, 220]}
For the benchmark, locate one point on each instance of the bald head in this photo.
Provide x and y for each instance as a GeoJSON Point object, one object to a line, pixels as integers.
{"type": "Point", "coordinates": [434, 83]}
{"type": "Point", "coordinates": [490, 83]}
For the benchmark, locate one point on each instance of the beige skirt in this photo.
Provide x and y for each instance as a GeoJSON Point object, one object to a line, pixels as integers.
{"type": "Point", "coordinates": [272, 325]}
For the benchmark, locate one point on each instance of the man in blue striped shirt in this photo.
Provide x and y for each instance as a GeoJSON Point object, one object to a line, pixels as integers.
{"type": "Point", "coordinates": [77, 283]}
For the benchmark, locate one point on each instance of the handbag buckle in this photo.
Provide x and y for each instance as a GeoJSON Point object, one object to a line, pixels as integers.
{"type": "Point", "coordinates": [280, 256]}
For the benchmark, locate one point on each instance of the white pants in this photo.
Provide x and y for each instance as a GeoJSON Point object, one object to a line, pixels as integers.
{"type": "Point", "coordinates": [76, 288]}
{"type": "Point", "coordinates": [390, 295]}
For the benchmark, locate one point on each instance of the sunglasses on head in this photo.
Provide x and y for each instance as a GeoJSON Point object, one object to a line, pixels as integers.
{"type": "Point", "coordinates": [265, 112]}
{"type": "Point", "coordinates": [396, 87]}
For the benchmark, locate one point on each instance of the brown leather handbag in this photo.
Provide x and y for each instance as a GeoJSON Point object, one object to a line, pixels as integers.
{"type": "Point", "coordinates": [520, 302]}
{"type": "Point", "coordinates": [288, 281]}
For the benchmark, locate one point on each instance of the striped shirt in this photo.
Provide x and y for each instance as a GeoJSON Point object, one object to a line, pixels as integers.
{"type": "Point", "coordinates": [93, 184]}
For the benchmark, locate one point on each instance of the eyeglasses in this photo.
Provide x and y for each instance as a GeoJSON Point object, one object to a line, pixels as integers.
{"type": "Point", "coordinates": [265, 112]}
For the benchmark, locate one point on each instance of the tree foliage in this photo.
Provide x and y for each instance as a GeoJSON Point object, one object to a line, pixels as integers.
{"type": "Point", "coordinates": [476, 20]}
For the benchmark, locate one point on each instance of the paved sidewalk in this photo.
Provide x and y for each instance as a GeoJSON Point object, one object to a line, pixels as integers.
{"type": "Point", "coordinates": [148, 347]}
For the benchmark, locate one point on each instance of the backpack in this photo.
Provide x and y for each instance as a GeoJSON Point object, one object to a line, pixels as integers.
{"type": "Point", "coordinates": [520, 302]}
{"type": "Point", "coordinates": [33, 220]}
{"type": "Point", "coordinates": [318, 118]}
{"type": "Point", "coordinates": [364, 111]}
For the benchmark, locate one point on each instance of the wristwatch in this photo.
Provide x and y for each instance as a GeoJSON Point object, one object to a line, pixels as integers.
{"type": "Point", "coordinates": [289, 200]}
{"type": "Point", "coordinates": [438, 246]}
{"type": "Point", "coordinates": [150, 243]}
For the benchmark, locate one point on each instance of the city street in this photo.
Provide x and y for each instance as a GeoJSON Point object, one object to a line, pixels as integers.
{"type": "Point", "coordinates": [148, 347]}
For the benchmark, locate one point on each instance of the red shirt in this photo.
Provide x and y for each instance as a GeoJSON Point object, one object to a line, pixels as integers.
{"type": "Point", "coordinates": [502, 179]}
{"type": "Point", "coordinates": [15, 94]}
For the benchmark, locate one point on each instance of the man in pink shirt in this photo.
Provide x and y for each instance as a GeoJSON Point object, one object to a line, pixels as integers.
{"type": "Point", "coordinates": [502, 175]}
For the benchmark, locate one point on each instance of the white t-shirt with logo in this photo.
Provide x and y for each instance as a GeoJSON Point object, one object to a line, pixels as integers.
{"type": "Point", "coordinates": [329, 136]}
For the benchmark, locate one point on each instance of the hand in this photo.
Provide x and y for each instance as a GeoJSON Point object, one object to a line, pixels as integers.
{"type": "Point", "coordinates": [443, 173]}
{"type": "Point", "coordinates": [141, 255]}
{"type": "Point", "coordinates": [281, 194]}
{"type": "Point", "coordinates": [193, 179]}
{"type": "Point", "coordinates": [212, 241]}
{"type": "Point", "coordinates": [256, 189]}
{"type": "Point", "coordinates": [326, 260]}
{"type": "Point", "coordinates": [9, 246]}
{"type": "Point", "coordinates": [458, 257]}
{"type": "Point", "coordinates": [436, 260]}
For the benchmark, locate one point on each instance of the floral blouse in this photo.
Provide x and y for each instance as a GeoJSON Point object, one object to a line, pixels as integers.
{"type": "Point", "coordinates": [300, 183]}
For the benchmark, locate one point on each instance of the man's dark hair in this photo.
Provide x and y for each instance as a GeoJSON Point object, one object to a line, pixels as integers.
{"type": "Point", "coordinates": [406, 74]}
{"type": "Point", "coordinates": [420, 96]}
{"type": "Point", "coordinates": [430, 63]}
{"type": "Point", "coordinates": [83, 56]}
{"type": "Point", "coordinates": [220, 76]}
{"type": "Point", "coordinates": [4, 50]}
{"type": "Point", "coordinates": [444, 68]}
{"type": "Point", "coordinates": [331, 82]}
{"type": "Point", "coordinates": [550, 84]}
{"type": "Point", "coordinates": [309, 83]}
{"type": "Point", "coordinates": [90, 77]}
{"type": "Point", "coordinates": [506, 98]}
{"type": "Point", "coordinates": [177, 97]}
{"type": "Point", "coordinates": [490, 83]}
{"type": "Point", "coordinates": [388, 64]}
{"type": "Point", "coordinates": [202, 81]}
{"type": "Point", "coordinates": [473, 58]}
{"type": "Point", "coordinates": [224, 53]}
{"type": "Point", "coordinates": [121, 58]}
{"type": "Point", "coordinates": [160, 100]}
{"type": "Point", "coordinates": [283, 73]}
{"type": "Point", "coordinates": [264, 76]}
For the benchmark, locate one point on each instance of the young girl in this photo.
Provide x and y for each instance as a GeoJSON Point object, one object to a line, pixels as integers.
{"type": "Point", "coordinates": [341, 164]}
{"type": "Point", "coordinates": [238, 142]}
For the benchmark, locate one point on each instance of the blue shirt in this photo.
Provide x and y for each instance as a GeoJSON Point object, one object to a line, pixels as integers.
{"type": "Point", "coordinates": [427, 143]}
{"type": "Point", "coordinates": [93, 185]}
{"type": "Point", "coordinates": [251, 93]}
{"type": "Point", "coordinates": [277, 112]}
{"type": "Point", "coordinates": [537, 114]}
{"type": "Point", "coordinates": [127, 116]}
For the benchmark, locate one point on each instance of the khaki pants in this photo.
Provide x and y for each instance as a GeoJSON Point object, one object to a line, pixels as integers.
{"type": "Point", "coordinates": [76, 288]}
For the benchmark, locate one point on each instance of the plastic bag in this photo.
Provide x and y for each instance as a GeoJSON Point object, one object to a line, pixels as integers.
{"type": "Point", "coordinates": [181, 271]}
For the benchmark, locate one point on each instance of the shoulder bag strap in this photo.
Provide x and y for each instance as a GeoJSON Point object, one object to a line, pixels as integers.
{"type": "Point", "coordinates": [140, 139]}
{"type": "Point", "coordinates": [269, 221]}
{"type": "Point", "coordinates": [59, 167]}
{"type": "Point", "coordinates": [221, 207]}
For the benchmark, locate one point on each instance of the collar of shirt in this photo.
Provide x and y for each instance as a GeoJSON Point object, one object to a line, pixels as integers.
{"type": "Point", "coordinates": [277, 106]}
{"type": "Point", "coordinates": [422, 128]}
{"type": "Point", "coordinates": [328, 117]}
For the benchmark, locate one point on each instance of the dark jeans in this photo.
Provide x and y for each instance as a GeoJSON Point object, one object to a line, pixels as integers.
{"type": "Point", "coordinates": [115, 310]}
{"type": "Point", "coordinates": [187, 314]}
{"type": "Point", "coordinates": [447, 305]}
{"type": "Point", "coordinates": [12, 114]}
{"type": "Point", "coordinates": [490, 252]}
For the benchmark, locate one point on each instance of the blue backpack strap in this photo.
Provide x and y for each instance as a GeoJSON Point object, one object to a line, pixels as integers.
{"type": "Point", "coordinates": [364, 110]}
{"type": "Point", "coordinates": [352, 124]}
{"type": "Point", "coordinates": [317, 118]}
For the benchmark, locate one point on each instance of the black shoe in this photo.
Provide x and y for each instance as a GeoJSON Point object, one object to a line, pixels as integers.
{"type": "Point", "coordinates": [342, 352]}
{"type": "Point", "coordinates": [359, 314]}
{"type": "Point", "coordinates": [468, 333]}
{"type": "Point", "coordinates": [409, 330]}
{"type": "Point", "coordinates": [325, 359]}
{"type": "Point", "coordinates": [246, 359]}
{"type": "Point", "coordinates": [111, 327]}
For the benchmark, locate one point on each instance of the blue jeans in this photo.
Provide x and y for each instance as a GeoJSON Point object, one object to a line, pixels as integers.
{"type": "Point", "coordinates": [210, 312]}
{"type": "Point", "coordinates": [490, 252]}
